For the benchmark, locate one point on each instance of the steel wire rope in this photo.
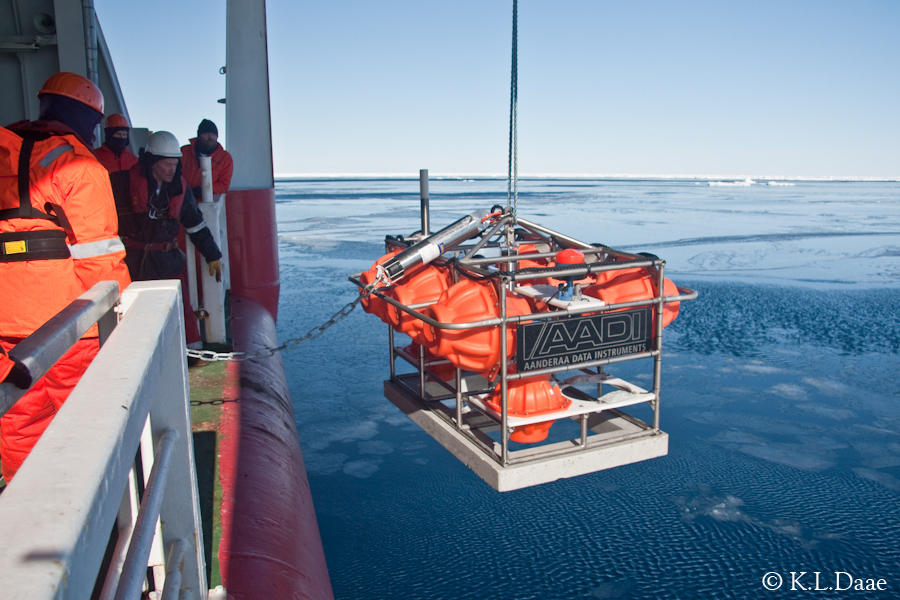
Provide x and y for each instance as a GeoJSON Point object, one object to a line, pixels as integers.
{"type": "Point", "coordinates": [512, 184]}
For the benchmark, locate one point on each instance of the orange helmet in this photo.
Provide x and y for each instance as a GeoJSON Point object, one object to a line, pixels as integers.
{"type": "Point", "coordinates": [116, 120]}
{"type": "Point", "coordinates": [76, 87]}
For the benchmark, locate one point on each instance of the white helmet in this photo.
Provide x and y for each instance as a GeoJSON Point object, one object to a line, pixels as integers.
{"type": "Point", "coordinates": [164, 144]}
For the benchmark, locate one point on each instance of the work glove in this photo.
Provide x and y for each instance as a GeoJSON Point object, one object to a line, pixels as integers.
{"type": "Point", "coordinates": [215, 268]}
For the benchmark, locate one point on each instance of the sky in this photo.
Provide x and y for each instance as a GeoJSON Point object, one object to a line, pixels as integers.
{"type": "Point", "coordinates": [806, 88]}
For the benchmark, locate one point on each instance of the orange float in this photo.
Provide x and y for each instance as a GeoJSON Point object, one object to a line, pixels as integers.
{"type": "Point", "coordinates": [475, 349]}
{"type": "Point", "coordinates": [629, 285]}
{"type": "Point", "coordinates": [570, 257]}
{"type": "Point", "coordinates": [424, 285]}
{"type": "Point", "coordinates": [529, 397]}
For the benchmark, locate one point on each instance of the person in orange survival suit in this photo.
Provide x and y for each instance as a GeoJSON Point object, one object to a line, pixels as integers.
{"type": "Point", "coordinates": [58, 237]}
{"type": "Point", "coordinates": [154, 202]}
{"type": "Point", "coordinates": [207, 144]}
{"type": "Point", "coordinates": [115, 154]}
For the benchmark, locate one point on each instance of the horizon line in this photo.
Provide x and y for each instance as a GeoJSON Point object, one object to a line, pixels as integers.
{"type": "Point", "coordinates": [635, 176]}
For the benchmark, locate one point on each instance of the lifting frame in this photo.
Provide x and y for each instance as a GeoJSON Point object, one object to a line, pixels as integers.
{"type": "Point", "coordinates": [455, 413]}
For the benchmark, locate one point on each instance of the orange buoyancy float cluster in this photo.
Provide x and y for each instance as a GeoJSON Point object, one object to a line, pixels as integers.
{"type": "Point", "coordinates": [476, 349]}
{"type": "Point", "coordinates": [424, 285]}
{"type": "Point", "coordinates": [529, 397]}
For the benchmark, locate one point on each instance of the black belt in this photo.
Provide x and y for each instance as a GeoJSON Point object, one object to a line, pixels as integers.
{"type": "Point", "coordinates": [17, 246]}
{"type": "Point", "coordinates": [149, 246]}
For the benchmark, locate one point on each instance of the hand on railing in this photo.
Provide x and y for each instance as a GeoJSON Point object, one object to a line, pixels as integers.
{"type": "Point", "coordinates": [215, 268]}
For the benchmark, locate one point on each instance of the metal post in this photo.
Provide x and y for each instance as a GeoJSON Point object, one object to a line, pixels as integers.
{"type": "Point", "coordinates": [584, 429]}
{"type": "Point", "coordinates": [133, 570]}
{"type": "Point", "coordinates": [125, 524]}
{"type": "Point", "coordinates": [504, 439]}
{"type": "Point", "coordinates": [422, 371]}
{"type": "Point", "coordinates": [459, 397]}
{"type": "Point", "coordinates": [657, 360]}
{"type": "Point", "coordinates": [174, 563]}
{"type": "Point", "coordinates": [393, 355]}
{"type": "Point", "coordinates": [423, 201]}
{"type": "Point", "coordinates": [156, 560]}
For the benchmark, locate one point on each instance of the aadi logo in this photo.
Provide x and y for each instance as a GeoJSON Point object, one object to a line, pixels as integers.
{"type": "Point", "coordinates": [582, 339]}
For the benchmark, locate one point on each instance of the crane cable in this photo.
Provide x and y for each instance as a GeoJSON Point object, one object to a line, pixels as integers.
{"type": "Point", "coordinates": [512, 185]}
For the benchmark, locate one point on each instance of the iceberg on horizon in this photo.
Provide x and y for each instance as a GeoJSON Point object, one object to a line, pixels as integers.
{"type": "Point", "coordinates": [745, 183]}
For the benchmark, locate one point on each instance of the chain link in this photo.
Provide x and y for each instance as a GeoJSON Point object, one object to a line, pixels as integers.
{"type": "Point", "coordinates": [214, 402]}
{"type": "Point", "coordinates": [211, 356]}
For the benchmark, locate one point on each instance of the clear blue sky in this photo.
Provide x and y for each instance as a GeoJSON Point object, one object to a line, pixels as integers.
{"type": "Point", "coordinates": [759, 87]}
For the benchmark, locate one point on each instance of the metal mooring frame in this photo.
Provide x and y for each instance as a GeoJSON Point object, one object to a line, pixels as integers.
{"type": "Point", "coordinates": [456, 413]}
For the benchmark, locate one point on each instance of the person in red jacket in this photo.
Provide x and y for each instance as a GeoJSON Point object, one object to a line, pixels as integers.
{"type": "Point", "coordinates": [115, 154]}
{"type": "Point", "coordinates": [207, 144]}
{"type": "Point", "coordinates": [58, 237]}
{"type": "Point", "coordinates": [154, 205]}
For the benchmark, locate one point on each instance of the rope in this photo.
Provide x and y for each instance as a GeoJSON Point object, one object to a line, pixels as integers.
{"type": "Point", "coordinates": [512, 185]}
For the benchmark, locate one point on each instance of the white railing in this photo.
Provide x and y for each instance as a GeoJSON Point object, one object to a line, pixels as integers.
{"type": "Point", "coordinates": [58, 514]}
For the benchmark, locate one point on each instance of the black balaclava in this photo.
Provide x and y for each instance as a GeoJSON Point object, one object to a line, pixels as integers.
{"type": "Point", "coordinates": [117, 145]}
{"type": "Point", "coordinates": [206, 126]}
{"type": "Point", "coordinates": [80, 117]}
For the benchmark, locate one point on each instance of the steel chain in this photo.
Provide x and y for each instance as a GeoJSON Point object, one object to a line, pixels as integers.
{"type": "Point", "coordinates": [214, 402]}
{"type": "Point", "coordinates": [211, 356]}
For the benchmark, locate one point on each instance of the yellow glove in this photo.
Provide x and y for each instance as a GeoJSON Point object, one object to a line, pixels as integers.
{"type": "Point", "coordinates": [215, 268]}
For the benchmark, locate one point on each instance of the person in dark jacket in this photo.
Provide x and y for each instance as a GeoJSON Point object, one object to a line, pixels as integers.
{"type": "Point", "coordinates": [207, 144]}
{"type": "Point", "coordinates": [154, 202]}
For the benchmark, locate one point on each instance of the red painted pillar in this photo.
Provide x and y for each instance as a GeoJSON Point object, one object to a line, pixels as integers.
{"type": "Point", "coordinates": [253, 246]}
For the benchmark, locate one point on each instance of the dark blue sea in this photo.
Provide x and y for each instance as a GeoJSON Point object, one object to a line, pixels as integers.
{"type": "Point", "coordinates": [780, 393]}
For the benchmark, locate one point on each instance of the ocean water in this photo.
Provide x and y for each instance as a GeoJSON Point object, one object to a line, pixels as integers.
{"type": "Point", "coordinates": [781, 396]}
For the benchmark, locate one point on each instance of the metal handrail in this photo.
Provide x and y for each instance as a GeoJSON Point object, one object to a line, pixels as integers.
{"type": "Point", "coordinates": [43, 348]}
{"type": "Point", "coordinates": [79, 470]}
{"type": "Point", "coordinates": [132, 577]}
